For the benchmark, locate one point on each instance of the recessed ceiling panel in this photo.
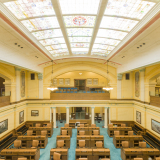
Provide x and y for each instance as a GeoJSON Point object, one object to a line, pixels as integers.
{"type": "Point", "coordinates": [106, 33]}
{"type": "Point", "coordinates": [80, 49]}
{"type": "Point", "coordinates": [79, 39]}
{"type": "Point", "coordinates": [102, 46]}
{"type": "Point", "coordinates": [79, 6]}
{"type": "Point", "coordinates": [79, 21]}
{"type": "Point", "coordinates": [111, 42]}
{"type": "Point", "coordinates": [51, 41]}
{"type": "Point", "coordinates": [128, 8]}
{"type": "Point", "coordinates": [73, 32]}
{"type": "Point", "coordinates": [48, 34]}
{"type": "Point", "coordinates": [29, 8]}
{"type": "Point", "coordinates": [78, 45]}
{"type": "Point", "coordinates": [117, 23]}
{"type": "Point", "coordinates": [41, 23]}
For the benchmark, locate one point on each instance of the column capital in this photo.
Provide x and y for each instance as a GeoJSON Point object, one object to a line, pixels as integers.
{"type": "Point", "coordinates": [142, 69]}
{"type": "Point", "coordinates": [67, 107]}
{"type": "Point", "coordinates": [17, 69]}
{"type": "Point", "coordinates": [40, 76]}
{"type": "Point", "coordinates": [53, 107]}
{"type": "Point", "coordinates": [119, 76]}
{"type": "Point", "coordinates": [106, 107]}
{"type": "Point", "coordinates": [93, 107]}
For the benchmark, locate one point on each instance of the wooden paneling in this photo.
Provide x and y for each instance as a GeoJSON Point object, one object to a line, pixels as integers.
{"type": "Point", "coordinates": [155, 101]}
{"type": "Point", "coordinates": [80, 96]}
{"type": "Point", "coordinates": [4, 101]}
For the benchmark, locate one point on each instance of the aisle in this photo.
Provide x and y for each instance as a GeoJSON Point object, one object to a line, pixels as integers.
{"type": "Point", "coordinates": [71, 153]}
{"type": "Point", "coordinates": [45, 153]}
{"type": "Point", "coordinates": [108, 143]}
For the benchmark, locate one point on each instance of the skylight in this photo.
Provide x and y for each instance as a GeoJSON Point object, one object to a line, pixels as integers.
{"type": "Point", "coordinates": [77, 45]}
{"type": "Point", "coordinates": [74, 32]}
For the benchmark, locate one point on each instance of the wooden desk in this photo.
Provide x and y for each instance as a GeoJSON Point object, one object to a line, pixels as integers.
{"type": "Point", "coordinates": [133, 140]}
{"type": "Point", "coordinates": [87, 139]}
{"type": "Point", "coordinates": [145, 153]}
{"type": "Point", "coordinates": [63, 152]}
{"type": "Point", "coordinates": [96, 138]}
{"type": "Point", "coordinates": [100, 153]}
{"type": "Point", "coordinates": [72, 124]}
{"type": "Point", "coordinates": [37, 130]}
{"type": "Point", "coordinates": [33, 123]}
{"type": "Point", "coordinates": [69, 130]}
{"type": "Point", "coordinates": [93, 128]}
{"type": "Point", "coordinates": [66, 140]}
{"type": "Point", "coordinates": [122, 130]}
{"type": "Point", "coordinates": [14, 154]}
{"type": "Point", "coordinates": [86, 129]}
{"type": "Point", "coordinates": [84, 153]}
{"type": "Point", "coordinates": [27, 141]}
{"type": "Point", "coordinates": [86, 122]}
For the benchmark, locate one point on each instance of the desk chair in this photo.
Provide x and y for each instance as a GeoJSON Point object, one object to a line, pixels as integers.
{"type": "Point", "coordinates": [123, 125]}
{"type": "Point", "coordinates": [35, 144]}
{"type": "Point", "coordinates": [17, 144]}
{"type": "Point", "coordinates": [138, 159]}
{"type": "Point", "coordinates": [157, 158]}
{"type": "Point", "coordinates": [93, 125]}
{"type": "Point", "coordinates": [64, 132]}
{"type": "Point", "coordinates": [116, 132]}
{"type": "Point", "coordinates": [95, 132]}
{"type": "Point", "coordinates": [22, 158]}
{"type": "Point", "coordinates": [142, 144]}
{"type": "Point", "coordinates": [43, 132]}
{"type": "Point", "coordinates": [82, 143]}
{"type": "Point", "coordinates": [56, 156]}
{"type": "Point", "coordinates": [81, 125]}
{"type": "Point", "coordinates": [99, 144]}
{"type": "Point", "coordinates": [48, 124]}
{"type": "Point", "coordinates": [60, 143]}
{"type": "Point", "coordinates": [105, 159]}
{"type": "Point", "coordinates": [81, 132]}
{"type": "Point", "coordinates": [125, 144]}
{"type": "Point", "coordinates": [38, 124]}
{"type": "Point", "coordinates": [66, 125]}
{"type": "Point", "coordinates": [130, 133]}
{"type": "Point", "coordinates": [110, 125]}
{"type": "Point", "coordinates": [29, 132]}
{"type": "Point", "coordinates": [83, 159]}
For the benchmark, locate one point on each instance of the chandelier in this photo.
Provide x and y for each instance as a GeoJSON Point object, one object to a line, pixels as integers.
{"type": "Point", "coordinates": [52, 87]}
{"type": "Point", "coordinates": [108, 87]}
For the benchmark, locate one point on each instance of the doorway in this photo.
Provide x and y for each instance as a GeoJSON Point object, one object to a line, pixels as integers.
{"type": "Point", "coordinates": [80, 84]}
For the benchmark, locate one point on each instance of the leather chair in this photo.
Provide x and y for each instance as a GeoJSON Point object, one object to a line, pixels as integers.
{"type": "Point", "coordinates": [49, 125]}
{"type": "Point", "coordinates": [82, 143]}
{"type": "Point", "coordinates": [56, 156]}
{"type": "Point", "coordinates": [93, 125]}
{"type": "Point", "coordinates": [64, 132]}
{"type": "Point", "coordinates": [66, 125]}
{"type": "Point", "coordinates": [110, 125]}
{"type": "Point", "coordinates": [17, 144]}
{"type": "Point", "coordinates": [116, 132]}
{"type": "Point", "coordinates": [35, 144]}
{"type": "Point", "coordinates": [81, 125]}
{"type": "Point", "coordinates": [83, 159]}
{"type": "Point", "coordinates": [38, 124]}
{"type": "Point", "coordinates": [95, 132]}
{"type": "Point", "coordinates": [99, 144]}
{"type": "Point", "coordinates": [123, 125]}
{"type": "Point", "coordinates": [125, 144]}
{"type": "Point", "coordinates": [157, 158]}
{"type": "Point", "coordinates": [81, 132]}
{"type": "Point", "coordinates": [142, 144]}
{"type": "Point", "coordinates": [60, 143]}
{"type": "Point", "coordinates": [22, 158]}
{"type": "Point", "coordinates": [130, 133]}
{"type": "Point", "coordinates": [43, 132]}
{"type": "Point", "coordinates": [29, 132]}
{"type": "Point", "coordinates": [138, 159]}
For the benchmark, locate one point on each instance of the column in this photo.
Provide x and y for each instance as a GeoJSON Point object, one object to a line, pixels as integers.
{"type": "Point", "coordinates": [105, 117]}
{"type": "Point", "coordinates": [18, 72]}
{"type": "Point", "coordinates": [50, 114]}
{"type": "Point", "coordinates": [40, 78]}
{"type": "Point", "coordinates": [67, 114]}
{"type": "Point", "coordinates": [54, 117]}
{"type": "Point", "coordinates": [92, 115]}
{"type": "Point", "coordinates": [119, 90]}
{"type": "Point", "coordinates": [142, 86]}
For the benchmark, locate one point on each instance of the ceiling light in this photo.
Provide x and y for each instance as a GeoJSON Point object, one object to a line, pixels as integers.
{"type": "Point", "coordinates": [80, 73]}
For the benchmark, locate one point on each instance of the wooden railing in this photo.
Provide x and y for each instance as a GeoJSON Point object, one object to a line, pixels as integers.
{"type": "Point", "coordinates": [155, 101]}
{"type": "Point", "coordinates": [80, 96]}
{"type": "Point", "coordinates": [4, 101]}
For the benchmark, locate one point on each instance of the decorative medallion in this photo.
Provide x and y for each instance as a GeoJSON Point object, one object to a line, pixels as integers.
{"type": "Point", "coordinates": [79, 21]}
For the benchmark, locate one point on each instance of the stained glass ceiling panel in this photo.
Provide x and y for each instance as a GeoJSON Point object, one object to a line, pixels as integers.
{"type": "Point", "coordinates": [117, 23]}
{"type": "Point", "coordinates": [47, 34]}
{"type": "Point", "coordinates": [100, 51]}
{"type": "Point", "coordinates": [47, 42]}
{"type": "Point", "coordinates": [101, 46]}
{"type": "Point", "coordinates": [78, 45]}
{"type": "Point", "coordinates": [80, 53]}
{"type": "Point", "coordinates": [80, 49]}
{"type": "Point", "coordinates": [107, 41]}
{"type": "Point", "coordinates": [111, 34]}
{"type": "Point", "coordinates": [128, 8]}
{"type": "Point", "coordinates": [59, 55]}
{"type": "Point", "coordinates": [79, 21]}
{"type": "Point", "coordinates": [59, 51]}
{"type": "Point", "coordinates": [52, 47]}
{"type": "Point", "coordinates": [79, 6]}
{"type": "Point", "coordinates": [41, 23]}
{"type": "Point", "coordinates": [80, 39]}
{"type": "Point", "coordinates": [79, 32]}
{"type": "Point", "coordinates": [29, 8]}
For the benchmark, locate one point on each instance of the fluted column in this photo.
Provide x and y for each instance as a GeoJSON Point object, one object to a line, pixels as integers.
{"type": "Point", "coordinates": [92, 115]}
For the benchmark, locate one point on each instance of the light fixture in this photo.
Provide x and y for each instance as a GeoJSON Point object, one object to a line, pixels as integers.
{"type": "Point", "coordinates": [80, 73]}
{"type": "Point", "coordinates": [52, 87]}
{"type": "Point", "coordinates": [107, 88]}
